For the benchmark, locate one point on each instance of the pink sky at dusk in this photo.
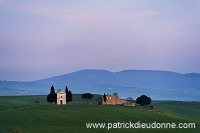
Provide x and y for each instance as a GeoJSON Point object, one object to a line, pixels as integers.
{"type": "Point", "coordinates": [40, 39]}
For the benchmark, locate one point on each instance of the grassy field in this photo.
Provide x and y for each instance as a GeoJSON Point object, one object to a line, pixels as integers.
{"type": "Point", "coordinates": [191, 109]}
{"type": "Point", "coordinates": [25, 114]}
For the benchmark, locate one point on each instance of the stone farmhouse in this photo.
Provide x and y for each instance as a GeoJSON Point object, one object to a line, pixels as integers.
{"type": "Point", "coordinates": [61, 97]}
{"type": "Point", "coordinates": [112, 100]}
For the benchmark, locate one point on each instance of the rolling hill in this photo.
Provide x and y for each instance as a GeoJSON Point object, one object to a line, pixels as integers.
{"type": "Point", "coordinates": [159, 85]}
{"type": "Point", "coordinates": [24, 114]}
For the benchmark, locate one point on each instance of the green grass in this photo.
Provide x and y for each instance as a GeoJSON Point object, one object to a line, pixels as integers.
{"type": "Point", "coordinates": [190, 109]}
{"type": "Point", "coordinates": [23, 113]}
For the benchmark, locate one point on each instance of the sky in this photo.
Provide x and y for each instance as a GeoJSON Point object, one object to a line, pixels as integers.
{"type": "Point", "coordinates": [45, 38]}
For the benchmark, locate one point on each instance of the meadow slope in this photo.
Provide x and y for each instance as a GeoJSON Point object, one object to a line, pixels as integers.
{"type": "Point", "coordinates": [24, 114]}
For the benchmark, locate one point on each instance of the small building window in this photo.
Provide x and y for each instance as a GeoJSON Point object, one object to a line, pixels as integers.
{"type": "Point", "coordinates": [61, 96]}
{"type": "Point", "coordinates": [110, 97]}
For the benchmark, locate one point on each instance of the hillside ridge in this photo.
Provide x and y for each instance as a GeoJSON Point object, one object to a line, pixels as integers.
{"type": "Point", "coordinates": [160, 85]}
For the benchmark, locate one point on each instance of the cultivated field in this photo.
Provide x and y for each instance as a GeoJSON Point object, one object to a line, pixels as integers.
{"type": "Point", "coordinates": [31, 114]}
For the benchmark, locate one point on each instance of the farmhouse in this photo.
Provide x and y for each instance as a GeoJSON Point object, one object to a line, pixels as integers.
{"type": "Point", "coordinates": [112, 100]}
{"type": "Point", "coordinates": [61, 97]}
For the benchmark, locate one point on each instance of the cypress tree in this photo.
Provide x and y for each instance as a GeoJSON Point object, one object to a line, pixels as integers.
{"type": "Point", "coordinates": [104, 97]}
{"type": "Point", "coordinates": [70, 96]}
{"type": "Point", "coordinates": [48, 98]}
{"type": "Point", "coordinates": [52, 97]}
{"type": "Point", "coordinates": [66, 91]}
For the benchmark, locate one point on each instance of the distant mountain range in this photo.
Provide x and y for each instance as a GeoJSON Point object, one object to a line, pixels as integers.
{"type": "Point", "coordinates": [159, 85]}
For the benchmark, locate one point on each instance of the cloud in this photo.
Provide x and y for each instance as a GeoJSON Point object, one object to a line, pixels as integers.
{"type": "Point", "coordinates": [145, 13]}
{"type": "Point", "coordinates": [91, 15]}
